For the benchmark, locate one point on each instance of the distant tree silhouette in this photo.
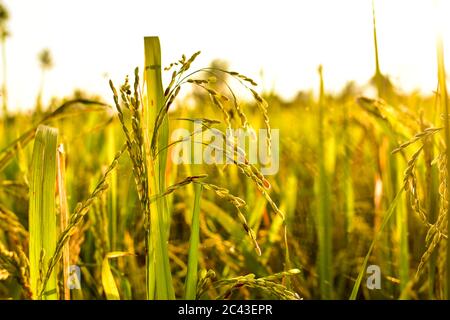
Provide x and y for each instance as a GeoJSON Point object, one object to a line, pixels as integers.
{"type": "Point", "coordinates": [46, 63]}
{"type": "Point", "coordinates": [4, 33]}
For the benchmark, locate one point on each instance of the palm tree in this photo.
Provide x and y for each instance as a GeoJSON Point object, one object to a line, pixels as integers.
{"type": "Point", "coordinates": [46, 63]}
{"type": "Point", "coordinates": [4, 17]}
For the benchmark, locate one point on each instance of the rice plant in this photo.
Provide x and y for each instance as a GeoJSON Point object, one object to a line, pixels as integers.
{"type": "Point", "coordinates": [118, 198]}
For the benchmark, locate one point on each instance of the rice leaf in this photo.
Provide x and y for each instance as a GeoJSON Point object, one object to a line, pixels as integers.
{"type": "Point", "coordinates": [191, 278]}
{"type": "Point", "coordinates": [157, 237]}
{"type": "Point", "coordinates": [42, 210]}
{"type": "Point", "coordinates": [108, 282]}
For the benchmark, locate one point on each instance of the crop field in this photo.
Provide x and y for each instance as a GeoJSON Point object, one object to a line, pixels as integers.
{"type": "Point", "coordinates": [206, 186]}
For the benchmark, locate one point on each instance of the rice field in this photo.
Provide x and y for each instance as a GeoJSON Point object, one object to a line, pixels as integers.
{"type": "Point", "coordinates": [110, 198]}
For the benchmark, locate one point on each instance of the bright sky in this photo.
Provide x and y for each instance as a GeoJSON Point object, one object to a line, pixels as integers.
{"type": "Point", "coordinates": [92, 40]}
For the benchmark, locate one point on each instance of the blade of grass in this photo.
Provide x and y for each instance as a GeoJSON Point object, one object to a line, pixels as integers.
{"type": "Point", "coordinates": [64, 218]}
{"type": "Point", "coordinates": [191, 278]}
{"type": "Point", "coordinates": [402, 228]}
{"type": "Point", "coordinates": [112, 195]}
{"type": "Point", "coordinates": [378, 75]}
{"type": "Point", "coordinates": [432, 196]}
{"type": "Point", "coordinates": [42, 210]}
{"type": "Point", "coordinates": [323, 203]}
{"type": "Point", "coordinates": [347, 185]}
{"type": "Point", "coordinates": [108, 282]}
{"type": "Point", "coordinates": [157, 238]}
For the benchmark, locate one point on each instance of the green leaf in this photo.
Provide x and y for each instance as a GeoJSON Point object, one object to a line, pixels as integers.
{"type": "Point", "coordinates": [108, 282]}
{"type": "Point", "coordinates": [191, 278]}
{"type": "Point", "coordinates": [158, 264]}
{"type": "Point", "coordinates": [42, 210]}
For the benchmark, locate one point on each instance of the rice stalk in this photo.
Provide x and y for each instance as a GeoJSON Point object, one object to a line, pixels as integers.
{"type": "Point", "coordinates": [113, 212]}
{"type": "Point", "coordinates": [64, 218]}
{"type": "Point", "coordinates": [432, 202]}
{"type": "Point", "coordinates": [349, 207]}
{"type": "Point", "coordinates": [444, 108]}
{"type": "Point", "coordinates": [425, 134]}
{"type": "Point", "coordinates": [325, 263]}
{"type": "Point", "coordinates": [267, 284]}
{"type": "Point", "coordinates": [378, 75]}
{"type": "Point", "coordinates": [10, 223]}
{"type": "Point", "coordinates": [16, 264]}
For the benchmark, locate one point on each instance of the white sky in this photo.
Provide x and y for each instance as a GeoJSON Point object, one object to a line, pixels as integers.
{"type": "Point", "coordinates": [288, 39]}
